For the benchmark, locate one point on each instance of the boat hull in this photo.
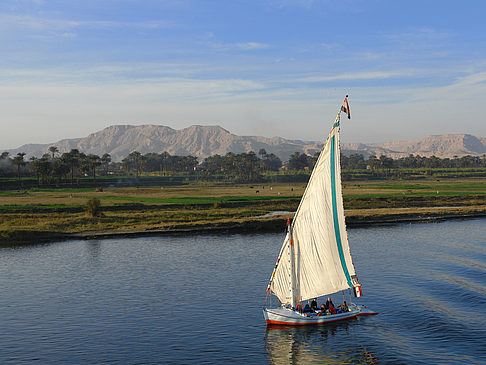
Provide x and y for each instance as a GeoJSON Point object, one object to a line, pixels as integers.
{"type": "Point", "coordinates": [284, 316]}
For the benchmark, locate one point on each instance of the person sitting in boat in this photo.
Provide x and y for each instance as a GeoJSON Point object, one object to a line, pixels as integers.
{"type": "Point", "coordinates": [344, 307]}
{"type": "Point", "coordinates": [307, 309]}
{"type": "Point", "coordinates": [329, 303]}
{"type": "Point", "coordinates": [323, 311]}
{"type": "Point", "coordinates": [314, 304]}
{"type": "Point", "coordinates": [332, 310]}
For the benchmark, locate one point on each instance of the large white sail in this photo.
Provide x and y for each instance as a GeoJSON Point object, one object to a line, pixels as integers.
{"type": "Point", "coordinates": [320, 259]}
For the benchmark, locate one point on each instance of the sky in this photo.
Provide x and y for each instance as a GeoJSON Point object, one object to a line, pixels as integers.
{"type": "Point", "coordinates": [411, 68]}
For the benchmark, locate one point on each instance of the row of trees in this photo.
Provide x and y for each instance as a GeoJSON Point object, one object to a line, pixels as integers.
{"type": "Point", "coordinates": [357, 161]}
{"type": "Point", "coordinates": [301, 161]}
{"type": "Point", "coordinates": [55, 167]}
{"type": "Point", "coordinates": [242, 166]}
{"type": "Point", "coordinates": [154, 162]}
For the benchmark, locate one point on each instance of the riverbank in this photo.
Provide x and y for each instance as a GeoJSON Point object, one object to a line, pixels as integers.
{"type": "Point", "coordinates": [252, 225]}
{"type": "Point", "coordinates": [49, 215]}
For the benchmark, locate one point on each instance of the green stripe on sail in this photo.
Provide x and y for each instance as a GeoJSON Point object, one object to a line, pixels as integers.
{"type": "Point", "coordinates": [335, 214]}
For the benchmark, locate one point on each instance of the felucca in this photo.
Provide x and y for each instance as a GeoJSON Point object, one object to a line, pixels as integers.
{"type": "Point", "coordinates": [315, 259]}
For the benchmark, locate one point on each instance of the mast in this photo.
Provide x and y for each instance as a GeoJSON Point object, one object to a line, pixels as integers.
{"type": "Point", "coordinates": [291, 268]}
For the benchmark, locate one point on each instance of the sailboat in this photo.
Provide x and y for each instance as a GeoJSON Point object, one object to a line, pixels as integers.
{"type": "Point", "coordinates": [315, 260]}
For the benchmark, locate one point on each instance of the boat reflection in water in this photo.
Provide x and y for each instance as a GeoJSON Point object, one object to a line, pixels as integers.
{"type": "Point", "coordinates": [322, 344]}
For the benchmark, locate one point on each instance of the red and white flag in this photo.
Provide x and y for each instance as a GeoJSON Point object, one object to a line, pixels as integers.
{"type": "Point", "coordinates": [345, 107]}
{"type": "Point", "coordinates": [357, 291]}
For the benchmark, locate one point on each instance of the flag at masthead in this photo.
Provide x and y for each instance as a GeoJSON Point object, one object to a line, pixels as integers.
{"type": "Point", "coordinates": [345, 107]}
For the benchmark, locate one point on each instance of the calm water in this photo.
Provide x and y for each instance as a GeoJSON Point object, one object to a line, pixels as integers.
{"type": "Point", "coordinates": [199, 300]}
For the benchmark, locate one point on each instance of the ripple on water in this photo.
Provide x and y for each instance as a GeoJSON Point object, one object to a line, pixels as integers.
{"type": "Point", "coordinates": [199, 300]}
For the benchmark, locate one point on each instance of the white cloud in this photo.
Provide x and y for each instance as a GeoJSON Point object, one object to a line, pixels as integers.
{"type": "Point", "coordinates": [422, 34]}
{"type": "Point", "coordinates": [45, 24]}
{"type": "Point", "coordinates": [372, 75]}
{"type": "Point", "coordinates": [250, 46]}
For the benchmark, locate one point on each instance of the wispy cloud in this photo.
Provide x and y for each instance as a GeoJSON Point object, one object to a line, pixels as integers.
{"type": "Point", "coordinates": [372, 75]}
{"type": "Point", "coordinates": [36, 23]}
{"type": "Point", "coordinates": [210, 40]}
{"type": "Point", "coordinates": [422, 34]}
{"type": "Point", "coordinates": [250, 46]}
{"type": "Point", "coordinates": [300, 3]}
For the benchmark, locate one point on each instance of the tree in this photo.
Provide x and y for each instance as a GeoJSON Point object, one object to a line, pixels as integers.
{"type": "Point", "coordinates": [246, 166]}
{"type": "Point", "coordinates": [19, 161]}
{"type": "Point", "coordinates": [93, 161]}
{"type": "Point", "coordinates": [213, 165]}
{"type": "Point", "coordinates": [386, 162]}
{"type": "Point", "coordinates": [373, 162]}
{"type": "Point", "coordinates": [93, 207]}
{"type": "Point", "coordinates": [73, 159]}
{"type": "Point", "coordinates": [5, 162]}
{"type": "Point", "coordinates": [105, 161]}
{"type": "Point", "coordinates": [272, 162]}
{"type": "Point", "coordinates": [187, 163]}
{"type": "Point", "coordinates": [45, 167]}
{"type": "Point", "coordinates": [356, 161]}
{"type": "Point", "coordinates": [33, 166]}
{"type": "Point", "coordinates": [60, 167]}
{"type": "Point", "coordinates": [262, 153]}
{"type": "Point", "coordinates": [135, 159]}
{"type": "Point", "coordinates": [298, 161]}
{"type": "Point", "coordinates": [84, 166]}
{"type": "Point", "coordinates": [53, 150]}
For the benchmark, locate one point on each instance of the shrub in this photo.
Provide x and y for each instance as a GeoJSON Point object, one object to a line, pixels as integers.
{"type": "Point", "coordinates": [93, 207]}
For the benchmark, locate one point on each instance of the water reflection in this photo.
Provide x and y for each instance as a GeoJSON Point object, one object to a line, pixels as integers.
{"type": "Point", "coordinates": [94, 249]}
{"type": "Point", "coordinates": [316, 344]}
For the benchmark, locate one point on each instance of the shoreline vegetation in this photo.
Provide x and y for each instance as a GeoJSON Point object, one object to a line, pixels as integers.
{"type": "Point", "coordinates": [43, 215]}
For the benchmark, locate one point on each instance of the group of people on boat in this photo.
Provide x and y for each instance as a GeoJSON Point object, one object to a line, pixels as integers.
{"type": "Point", "coordinates": [325, 309]}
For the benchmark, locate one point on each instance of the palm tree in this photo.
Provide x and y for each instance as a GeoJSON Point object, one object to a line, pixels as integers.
{"type": "Point", "coordinates": [72, 157]}
{"type": "Point", "coordinates": [137, 159]}
{"type": "Point", "coordinates": [19, 161]}
{"type": "Point", "coordinates": [34, 167]}
{"type": "Point", "coordinates": [53, 150]}
{"type": "Point", "coordinates": [94, 161]}
{"type": "Point", "coordinates": [105, 161]}
{"type": "Point", "coordinates": [60, 168]}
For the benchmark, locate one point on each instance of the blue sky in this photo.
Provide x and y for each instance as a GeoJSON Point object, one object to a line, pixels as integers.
{"type": "Point", "coordinates": [254, 67]}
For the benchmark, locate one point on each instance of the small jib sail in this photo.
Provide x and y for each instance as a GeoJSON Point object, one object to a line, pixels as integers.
{"type": "Point", "coordinates": [315, 259]}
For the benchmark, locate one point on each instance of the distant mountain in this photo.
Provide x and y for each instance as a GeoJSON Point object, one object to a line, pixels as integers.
{"type": "Point", "coordinates": [200, 141]}
{"type": "Point", "coordinates": [446, 145]}
{"type": "Point", "coordinates": [204, 141]}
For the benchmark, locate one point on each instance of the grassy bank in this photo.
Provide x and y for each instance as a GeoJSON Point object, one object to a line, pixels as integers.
{"type": "Point", "coordinates": [36, 214]}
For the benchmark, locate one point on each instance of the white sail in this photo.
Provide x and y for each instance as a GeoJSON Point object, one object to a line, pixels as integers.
{"type": "Point", "coordinates": [280, 283]}
{"type": "Point", "coordinates": [320, 259]}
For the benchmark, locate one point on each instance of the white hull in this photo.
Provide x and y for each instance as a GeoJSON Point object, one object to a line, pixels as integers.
{"type": "Point", "coordinates": [285, 316]}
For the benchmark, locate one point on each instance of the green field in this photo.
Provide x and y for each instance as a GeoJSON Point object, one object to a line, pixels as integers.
{"type": "Point", "coordinates": [30, 214]}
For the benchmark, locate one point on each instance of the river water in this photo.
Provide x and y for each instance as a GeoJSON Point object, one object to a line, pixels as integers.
{"type": "Point", "coordinates": [198, 299]}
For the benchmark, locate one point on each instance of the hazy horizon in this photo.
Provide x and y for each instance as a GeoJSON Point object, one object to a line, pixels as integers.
{"type": "Point", "coordinates": [344, 140]}
{"type": "Point", "coordinates": [256, 68]}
